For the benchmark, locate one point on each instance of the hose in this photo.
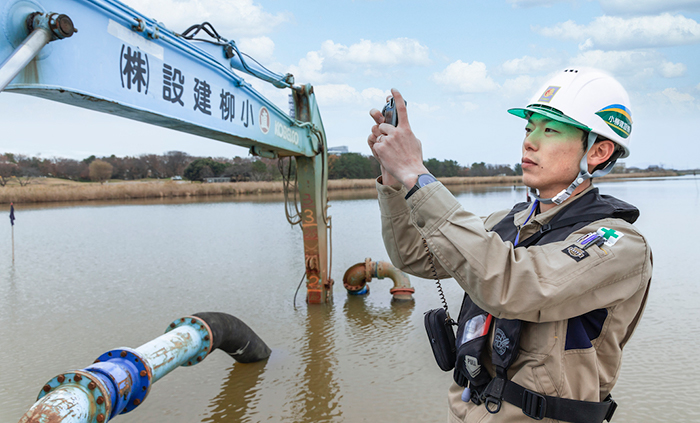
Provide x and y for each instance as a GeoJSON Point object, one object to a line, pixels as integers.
{"type": "Point", "coordinates": [235, 338]}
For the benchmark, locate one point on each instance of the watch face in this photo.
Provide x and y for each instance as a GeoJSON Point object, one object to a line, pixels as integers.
{"type": "Point", "coordinates": [425, 179]}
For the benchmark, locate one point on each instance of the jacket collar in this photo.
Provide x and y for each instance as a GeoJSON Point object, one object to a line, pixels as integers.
{"type": "Point", "coordinates": [542, 218]}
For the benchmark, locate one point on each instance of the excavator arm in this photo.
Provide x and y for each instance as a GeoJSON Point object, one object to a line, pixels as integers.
{"type": "Point", "coordinates": [105, 56]}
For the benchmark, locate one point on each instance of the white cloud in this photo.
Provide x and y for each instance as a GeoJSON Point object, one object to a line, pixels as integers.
{"type": "Point", "coordinates": [610, 32]}
{"type": "Point", "coordinates": [231, 18]}
{"type": "Point", "coordinates": [338, 94]}
{"type": "Point", "coordinates": [523, 85]}
{"type": "Point", "coordinates": [586, 45]}
{"type": "Point", "coordinates": [672, 70]}
{"type": "Point", "coordinates": [528, 65]}
{"type": "Point", "coordinates": [425, 107]}
{"type": "Point", "coordinates": [334, 60]}
{"type": "Point", "coordinates": [677, 97]}
{"type": "Point", "coordinates": [310, 68]}
{"type": "Point", "coordinates": [468, 78]}
{"type": "Point", "coordinates": [400, 51]}
{"type": "Point", "coordinates": [634, 63]}
{"type": "Point", "coordinates": [260, 48]}
{"type": "Point", "coordinates": [671, 101]}
{"type": "Point", "coordinates": [648, 7]}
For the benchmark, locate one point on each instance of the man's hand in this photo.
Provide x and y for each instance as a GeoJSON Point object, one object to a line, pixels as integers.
{"type": "Point", "coordinates": [396, 148]}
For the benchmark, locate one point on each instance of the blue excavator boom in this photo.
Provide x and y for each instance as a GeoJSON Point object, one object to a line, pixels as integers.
{"type": "Point", "coordinates": [105, 56]}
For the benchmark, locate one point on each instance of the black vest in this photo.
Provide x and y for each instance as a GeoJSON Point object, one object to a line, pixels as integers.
{"type": "Point", "coordinates": [475, 323]}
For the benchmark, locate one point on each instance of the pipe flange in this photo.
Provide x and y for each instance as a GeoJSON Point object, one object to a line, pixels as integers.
{"type": "Point", "coordinates": [354, 288]}
{"type": "Point", "coordinates": [204, 332]}
{"type": "Point", "coordinates": [402, 294]}
{"type": "Point", "coordinates": [92, 385]}
{"type": "Point", "coordinates": [368, 269]}
{"type": "Point", "coordinates": [126, 360]}
{"type": "Point", "coordinates": [393, 291]}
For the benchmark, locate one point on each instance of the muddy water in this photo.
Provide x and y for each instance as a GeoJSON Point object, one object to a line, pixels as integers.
{"type": "Point", "coordinates": [89, 278]}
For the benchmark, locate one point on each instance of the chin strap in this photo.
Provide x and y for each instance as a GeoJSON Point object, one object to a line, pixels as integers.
{"type": "Point", "coordinates": [581, 178]}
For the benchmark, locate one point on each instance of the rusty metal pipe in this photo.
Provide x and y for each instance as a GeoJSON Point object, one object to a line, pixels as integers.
{"type": "Point", "coordinates": [356, 278]}
{"type": "Point", "coordinates": [66, 405]}
{"type": "Point", "coordinates": [120, 379]}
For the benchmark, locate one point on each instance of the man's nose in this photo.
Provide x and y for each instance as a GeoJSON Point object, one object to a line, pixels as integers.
{"type": "Point", "coordinates": [532, 141]}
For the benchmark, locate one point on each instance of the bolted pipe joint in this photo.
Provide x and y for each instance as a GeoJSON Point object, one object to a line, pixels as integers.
{"type": "Point", "coordinates": [60, 25]}
{"type": "Point", "coordinates": [73, 396]}
{"type": "Point", "coordinates": [356, 278]}
{"type": "Point", "coordinates": [129, 378]}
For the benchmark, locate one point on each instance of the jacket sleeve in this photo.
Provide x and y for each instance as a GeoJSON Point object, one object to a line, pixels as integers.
{"type": "Point", "coordinates": [540, 283]}
{"type": "Point", "coordinates": [403, 242]}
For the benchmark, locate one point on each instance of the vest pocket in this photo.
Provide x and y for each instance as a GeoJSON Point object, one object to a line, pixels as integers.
{"type": "Point", "coordinates": [471, 341]}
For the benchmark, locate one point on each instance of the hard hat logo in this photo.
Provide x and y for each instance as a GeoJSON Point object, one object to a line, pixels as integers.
{"type": "Point", "coordinates": [618, 118]}
{"type": "Point", "coordinates": [548, 94]}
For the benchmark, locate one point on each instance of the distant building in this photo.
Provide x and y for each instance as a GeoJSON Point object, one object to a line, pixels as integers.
{"type": "Point", "coordinates": [214, 179]}
{"type": "Point", "coordinates": [338, 150]}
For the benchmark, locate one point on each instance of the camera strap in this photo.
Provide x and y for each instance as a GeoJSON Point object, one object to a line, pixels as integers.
{"type": "Point", "coordinates": [438, 326]}
{"type": "Point", "coordinates": [437, 282]}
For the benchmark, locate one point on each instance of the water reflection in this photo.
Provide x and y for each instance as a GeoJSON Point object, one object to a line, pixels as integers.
{"type": "Point", "coordinates": [385, 326]}
{"type": "Point", "coordinates": [237, 400]}
{"type": "Point", "coordinates": [318, 396]}
{"type": "Point", "coordinates": [377, 322]}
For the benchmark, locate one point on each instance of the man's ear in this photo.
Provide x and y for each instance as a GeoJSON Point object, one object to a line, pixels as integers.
{"type": "Point", "coordinates": [600, 153]}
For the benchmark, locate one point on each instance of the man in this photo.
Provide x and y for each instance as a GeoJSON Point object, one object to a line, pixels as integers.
{"type": "Point", "coordinates": [553, 288]}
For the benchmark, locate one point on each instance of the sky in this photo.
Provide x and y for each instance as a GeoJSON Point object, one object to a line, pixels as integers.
{"type": "Point", "coordinates": [459, 64]}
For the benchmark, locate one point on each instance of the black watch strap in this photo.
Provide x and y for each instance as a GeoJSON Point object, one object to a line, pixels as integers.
{"type": "Point", "coordinates": [412, 191]}
{"type": "Point", "coordinates": [423, 180]}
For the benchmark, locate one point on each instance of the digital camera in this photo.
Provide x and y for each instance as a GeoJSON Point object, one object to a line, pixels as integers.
{"type": "Point", "coordinates": [389, 112]}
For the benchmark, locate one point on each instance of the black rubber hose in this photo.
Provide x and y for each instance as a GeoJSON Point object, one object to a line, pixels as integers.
{"type": "Point", "coordinates": [235, 337]}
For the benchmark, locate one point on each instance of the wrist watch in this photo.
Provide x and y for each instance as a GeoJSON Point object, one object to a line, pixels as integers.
{"type": "Point", "coordinates": [423, 180]}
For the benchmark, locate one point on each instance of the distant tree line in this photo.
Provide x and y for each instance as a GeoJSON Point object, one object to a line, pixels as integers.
{"type": "Point", "coordinates": [237, 169]}
{"type": "Point", "coordinates": [358, 166]}
{"type": "Point", "coordinates": [179, 164]}
{"type": "Point", "coordinates": [168, 165]}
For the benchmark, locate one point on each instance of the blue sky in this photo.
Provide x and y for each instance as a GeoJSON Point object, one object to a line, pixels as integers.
{"type": "Point", "coordinates": [460, 65]}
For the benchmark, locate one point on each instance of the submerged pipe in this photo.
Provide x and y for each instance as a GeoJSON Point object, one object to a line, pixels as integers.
{"type": "Point", "coordinates": [356, 278]}
{"type": "Point", "coordinates": [120, 379]}
{"type": "Point", "coordinates": [42, 28]}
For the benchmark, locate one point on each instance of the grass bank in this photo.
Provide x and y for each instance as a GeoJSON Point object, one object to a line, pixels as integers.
{"type": "Point", "coordinates": [43, 190]}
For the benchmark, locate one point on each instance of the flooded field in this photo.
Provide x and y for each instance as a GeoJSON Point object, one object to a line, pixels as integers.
{"type": "Point", "coordinates": [88, 278]}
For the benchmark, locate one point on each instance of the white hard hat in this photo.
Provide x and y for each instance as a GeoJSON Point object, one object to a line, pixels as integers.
{"type": "Point", "coordinates": [588, 99]}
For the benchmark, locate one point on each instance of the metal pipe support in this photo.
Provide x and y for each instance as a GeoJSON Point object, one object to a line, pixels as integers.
{"type": "Point", "coordinates": [20, 58]}
{"type": "Point", "coordinates": [42, 28]}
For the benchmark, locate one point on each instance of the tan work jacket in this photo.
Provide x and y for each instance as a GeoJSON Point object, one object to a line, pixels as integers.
{"type": "Point", "coordinates": [540, 285]}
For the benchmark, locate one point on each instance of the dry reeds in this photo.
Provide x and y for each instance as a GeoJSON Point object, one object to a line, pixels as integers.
{"type": "Point", "coordinates": [127, 191]}
{"type": "Point", "coordinates": [71, 191]}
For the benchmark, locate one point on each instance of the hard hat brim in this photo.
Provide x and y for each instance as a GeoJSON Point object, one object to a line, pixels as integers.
{"type": "Point", "coordinates": [548, 112]}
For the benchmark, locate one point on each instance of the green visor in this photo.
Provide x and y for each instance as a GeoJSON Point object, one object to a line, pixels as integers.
{"type": "Point", "coordinates": [549, 112]}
